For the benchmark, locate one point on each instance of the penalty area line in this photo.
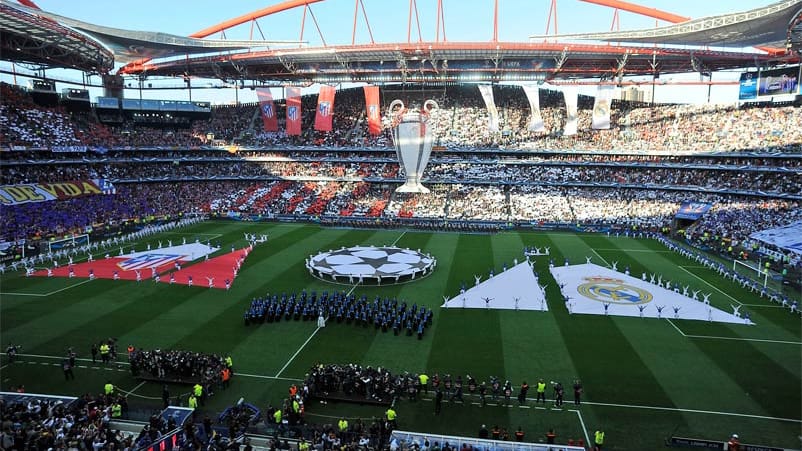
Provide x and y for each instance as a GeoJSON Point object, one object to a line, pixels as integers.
{"type": "Point", "coordinates": [709, 412]}
{"type": "Point", "coordinates": [582, 422]}
{"type": "Point", "coordinates": [711, 285]}
{"type": "Point", "coordinates": [602, 258]}
{"type": "Point", "coordinates": [758, 340]}
{"type": "Point", "coordinates": [44, 295]}
{"type": "Point", "coordinates": [675, 327]}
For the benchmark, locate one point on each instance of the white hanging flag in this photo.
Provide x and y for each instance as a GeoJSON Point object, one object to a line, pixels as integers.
{"type": "Point", "coordinates": [492, 111]}
{"type": "Point", "coordinates": [601, 107]}
{"type": "Point", "coordinates": [536, 119]}
{"type": "Point", "coordinates": [571, 115]}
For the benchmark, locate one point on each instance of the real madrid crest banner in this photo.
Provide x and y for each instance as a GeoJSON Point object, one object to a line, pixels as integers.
{"type": "Point", "coordinates": [268, 108]}
{"type": "Point", "coordinates": [571, 114]}
{"type": "Point", "coordinates": [536, 119]}
{"type": "Point", "coordinates": [372, 109]}
{"type": "Point", "coordinates": [601, 107]}
{"type": "Point", "coordinates": [293, 110]}
{"type": "Point", "coordinates": [325, 108]}
{"type": "Point", "coordinates": [492, 111]}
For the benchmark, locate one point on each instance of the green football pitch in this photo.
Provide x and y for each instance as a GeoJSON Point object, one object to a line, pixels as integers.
{"type": "Point", "coordinates": [644, 379]}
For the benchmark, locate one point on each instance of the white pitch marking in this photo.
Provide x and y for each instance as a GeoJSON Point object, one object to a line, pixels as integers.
{"type": "Point", "coordinates": [711, 285]}
{"type": "Point", "coordinates": [602, 258]}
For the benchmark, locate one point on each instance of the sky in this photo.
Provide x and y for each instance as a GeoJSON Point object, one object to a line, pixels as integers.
{"type": "Point", "coordinates": [465, 20]}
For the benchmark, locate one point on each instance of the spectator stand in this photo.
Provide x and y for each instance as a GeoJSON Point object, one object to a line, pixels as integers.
{"type": "Point", "coordinates": [25, 398]}
{"type": "Point", "coordinates": [241, 412]}
{"type": "Point", "coordinates": [181, 415]}
{"type": "Point", "coordinates": [406, 440]}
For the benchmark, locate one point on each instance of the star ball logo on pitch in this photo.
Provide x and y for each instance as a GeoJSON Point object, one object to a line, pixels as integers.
{"type": "Point", "coordinates": [614, 291]}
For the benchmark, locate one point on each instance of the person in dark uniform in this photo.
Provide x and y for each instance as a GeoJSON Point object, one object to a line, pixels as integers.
{"type": "Point", "coordinates": [165, 396]}
{"type": "Point", "coordinates": [522, 393]}
{"type": "Point", "coordinates": [577, 392]}
{"type": "Point", "coordinates": [559, 392]}
{"type": "Point", "coordinates": [438, 401]}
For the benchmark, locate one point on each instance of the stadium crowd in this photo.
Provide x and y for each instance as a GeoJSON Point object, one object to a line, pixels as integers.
{"type": "Point", "coordinates": [329, 180]}
{"type": "Point", "coordinates": [36, 423]}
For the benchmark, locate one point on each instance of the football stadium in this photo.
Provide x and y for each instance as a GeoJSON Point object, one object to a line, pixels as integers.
{"type": "Point", "coordinates": [407, 225]}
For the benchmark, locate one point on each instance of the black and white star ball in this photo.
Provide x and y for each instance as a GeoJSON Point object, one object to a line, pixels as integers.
{"type": "Point", "coordinates": [370, 261]}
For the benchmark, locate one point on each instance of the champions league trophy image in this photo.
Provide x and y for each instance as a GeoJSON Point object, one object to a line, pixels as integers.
{"type": "Point", "coordinates": [413, 142]}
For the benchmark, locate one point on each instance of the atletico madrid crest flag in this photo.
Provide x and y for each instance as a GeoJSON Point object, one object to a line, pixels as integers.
{"type": "Point", "coordinates": [325, 108]}
{"type": "Point", "coordinates": [268, 109]}
{"type": "Point", "coordinates": [293, 110]}
{"type": "Point", "coordinates": [372, 107]}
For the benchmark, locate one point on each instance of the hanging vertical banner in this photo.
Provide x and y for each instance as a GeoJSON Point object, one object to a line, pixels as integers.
{"type": "Point", "coordinates": [571, 114]}
{"type": "Point", "coordinates": [325, 108]}
{"type": "Point", "coordinates": [268, 108]}
{"type": "Point", "coordinates": [492, 111]}
{"type": "Point", "coordinates": [601, 107]}
{"type": "Point", "coordinates": [373, 111]}
{"type": "Point", "coordinates": [293, 110]}
{"type": "Point", "coordinates": [536, 119]}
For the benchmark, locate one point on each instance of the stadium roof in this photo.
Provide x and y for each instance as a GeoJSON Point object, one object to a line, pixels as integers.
{"type": "Point", "coordinates": [766, 26]}
{"type": "Point", "coordinates": [30, 38]}
{"type": "Point", "coordinates": [131, 45]}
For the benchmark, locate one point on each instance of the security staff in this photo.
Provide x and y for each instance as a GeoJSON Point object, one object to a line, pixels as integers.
{"type": "Point", "coordinates": [424, 382]}
{"type": "Point", "coordinates": [192, 402]}
{"type": "Point", "coordinates": [598, 439]}
{"type": "Point", "coordinates": [391, 416]}
{"type": "Point", "coordinates": [108, 388]}
{"type": "Point", "coordinates": [104, 352]}
{"type": "Point", "coordinates": [541, 391]}
{"type": "Point", "coordinates": [116, 410]}
{"type": "Point", "coordinates": [197, 390]}
{"type": "Point", "coordinates": [343, 425]}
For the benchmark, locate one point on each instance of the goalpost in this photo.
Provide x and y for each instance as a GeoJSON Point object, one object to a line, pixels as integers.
{"type": "Point", "coordinates": [759, 272]}
{"type": "Point", "coordinates": [69, 242]}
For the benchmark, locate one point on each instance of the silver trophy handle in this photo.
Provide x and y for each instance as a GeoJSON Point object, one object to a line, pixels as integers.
{"type": "Point", "coordinates": [430, 105]}
{"type": "Point", "coordinates": [392, 110]}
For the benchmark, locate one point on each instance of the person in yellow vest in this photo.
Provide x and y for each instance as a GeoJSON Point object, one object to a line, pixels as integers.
{"type": "Point", "coordinates": [104, 352]}
{"type": "Point", "coordinates": [343, 425]}
{"type": "Point", "coordinates": [391, 416]}
{"type": "Point", "coordinates": [197, 390]}
{"type": "Point", "coordinates": [192, 403]}
{"type": "Point", "coordinates": [116, 410]}
{"type": "Point", "coordinates": [277, 416]}
{"type": "Point", "coordinates": [541, 391]}
{"type": "Point", "coordinates": [108, 389]}
{"type": "Point", "coordinates": [424, 382]}
{"type": "Point", "coordinates": [296, 407]}
{"type": "Point", "coordinates": [230, 364]}
{"type": "Point", "coordinates": [598, 440]}
{"type": "Point", "coordinates": [303, 445]}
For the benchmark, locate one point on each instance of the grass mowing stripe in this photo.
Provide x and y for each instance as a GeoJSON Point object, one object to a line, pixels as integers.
{"type": "Point", "coordinates": [779, 397]}
{"type": "Point", "coordinates": [282, 275]}
{"type": "Point", "coordinates": [409, 353]}
{"type": "Point", "coordinates": [597, 346]}
{"type": "Point", "coordinates": [477, 331]}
